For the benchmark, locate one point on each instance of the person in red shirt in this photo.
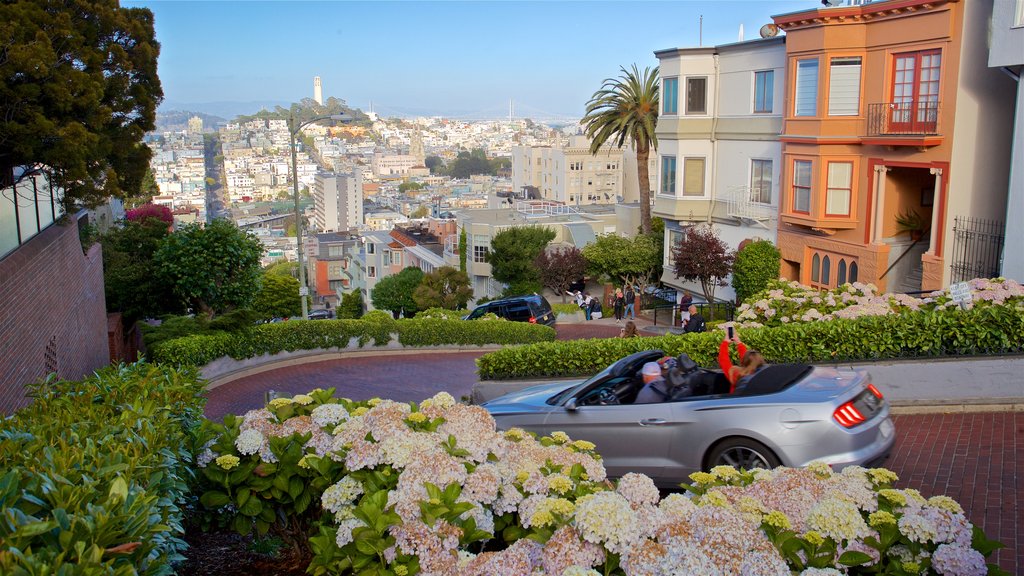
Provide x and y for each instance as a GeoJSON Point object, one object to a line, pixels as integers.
{"type": "Point", "coordinates": [750, 362]}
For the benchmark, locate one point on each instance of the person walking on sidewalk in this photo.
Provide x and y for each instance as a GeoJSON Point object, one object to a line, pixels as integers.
{"type": "Point", "coordinates": [619, 303]}
{"type": "Point", "coordinates": [587, 302]}
{"type": "Point", "coordinates": [630, 302]}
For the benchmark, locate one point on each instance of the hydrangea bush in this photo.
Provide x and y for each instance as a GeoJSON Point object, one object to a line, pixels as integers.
{"type": "Point", "coordinates": [791, 302]}
{"type": "Point", "coordinates": [435, 489]}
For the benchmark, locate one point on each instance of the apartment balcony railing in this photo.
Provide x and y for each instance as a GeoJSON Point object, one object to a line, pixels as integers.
{"type": "Point", "coordinates": [451, 247]}
{"type": "Point", "coordinates": [910, 117]}
{"type": "Point", "coordinates": [741, 204]}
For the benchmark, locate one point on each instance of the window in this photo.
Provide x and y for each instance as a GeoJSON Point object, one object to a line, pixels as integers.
{"type": "Point", "coordinates": [826, 268]}
{"type": "Point", "coordinates": [806, 88]}
{"type": "Point", "coordinates": [1019, 18]}
{"type": "Point", "coordinates": [815, 268]}
{"type": "Point", "coordinates": [841, 277]}
{"type": "Point", "coordinates": [844, 87]}
{"type": "Point", "coordinates": [853, 272]}
{"type": "Point", "coordinates": [670, 96]}
{"type": "Point", "coordinates": [371, 271]}
{"type": "Point", "coordinates": [915, 91]}
{"type": "Point", "coordinates": [693, 177]}
{"type": "Point", "coordinates": [696, 95]}
{"type": "Point", "coordinates": [479, 253]}
{"type": "Point", "coordinates": [335, 250]}
{"type": "Point", "coordinates": [764, 82]}
{"type": "Point", "coordinates": [371, 249]}
{"type": "Point", "coordinates": [668, 175]}
{"type": "Point", "coordinates": [840, 183]}
{"type": "Point", "coordinates": [761, 181]}
{"type": "Point", "coordinates": [802, 186]}
{"type": "Point", "coordinates": [396, 258]}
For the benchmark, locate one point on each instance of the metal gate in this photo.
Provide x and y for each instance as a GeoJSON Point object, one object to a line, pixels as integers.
{"type": "Point", "coordinates": [977, 248]}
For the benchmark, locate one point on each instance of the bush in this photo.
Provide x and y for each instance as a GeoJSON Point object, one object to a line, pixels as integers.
{"type": "Point", "coordinates": [174, 327]}
{"type": "Point", "coordinates": [375, 327]}
{"type": "Point", "coordinates": [756, 264]}
{"type": "Point", "coordinates": [97, 472]}
{"type": "Point", "coordinates": [982, 330]}
{"type": "Point", "coordinates": [389, 488]}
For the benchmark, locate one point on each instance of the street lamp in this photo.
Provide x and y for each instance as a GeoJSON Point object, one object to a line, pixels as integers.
{"type": "Point", "coordinates": [293, 129]}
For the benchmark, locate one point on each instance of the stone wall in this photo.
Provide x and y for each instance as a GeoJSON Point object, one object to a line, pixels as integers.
{"type": "Point", "coordinates": [52, 312]}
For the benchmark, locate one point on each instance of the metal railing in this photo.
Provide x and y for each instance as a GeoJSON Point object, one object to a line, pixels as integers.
{"type": "Point", "coordinates": [668, 315]}
{"type": "Point", "coordinates": [977, 248]}
{"type": "Point", "coordinates": [905, 117]}
{"type": "Point", "coordinates": [739, 205]}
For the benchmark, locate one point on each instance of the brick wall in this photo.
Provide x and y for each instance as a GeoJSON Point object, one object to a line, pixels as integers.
{"type": "Point", "coordinates": [52, 312]}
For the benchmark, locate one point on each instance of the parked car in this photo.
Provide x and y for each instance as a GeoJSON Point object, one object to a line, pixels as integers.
{"type": "Point", "coordinates": [791, 415]}
{"type": "Point", "coordinates": [320, 314]}
{"type": "Point", "coordinates": [534, 309]}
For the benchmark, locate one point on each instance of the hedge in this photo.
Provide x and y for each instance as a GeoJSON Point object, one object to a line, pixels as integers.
{"type": "Point", "coordinates": [982, 330]}
{"type": "Point", "coordinates": [318, 334]}
{"type": "Point", "coordinates": [96, 473]}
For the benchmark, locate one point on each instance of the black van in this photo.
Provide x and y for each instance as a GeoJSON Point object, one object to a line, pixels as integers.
{"type": "Point", "coordinates": [533, 309]}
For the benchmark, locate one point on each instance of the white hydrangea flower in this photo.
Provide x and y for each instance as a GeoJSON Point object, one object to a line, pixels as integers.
{"type": "Point", "coordinates": [329, 415]}
{"type": "Point", "coordinates": [249, 442]}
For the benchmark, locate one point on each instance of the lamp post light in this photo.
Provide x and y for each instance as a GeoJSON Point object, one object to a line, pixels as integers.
{"type": "Point", "coordinates": [293, 129]}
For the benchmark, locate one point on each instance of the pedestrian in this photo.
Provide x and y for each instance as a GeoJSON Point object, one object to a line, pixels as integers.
{"type": "Point", "coordinates": [694, 322]}
{"type": "Point", "coordinates": [619, 303]}
{"type": "Point", "coordinates": [587, 301]}
{"type": "Point", "coordinates": [629, 330]}
{"type": "Point", "coordinates": [630, 301]}
{"type": "Point", "coordinates": [684, 307]}
{"type": "Point", "coordinates": [596, 310]}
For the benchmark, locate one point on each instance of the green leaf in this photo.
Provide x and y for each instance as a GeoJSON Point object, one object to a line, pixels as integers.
{"type": "Point", "coordinates": [119, 489]}
{"type": "Point", "coordinates": [33, 529]}
{"type": "Point", "coordinates": [214, 499]}
{"type": "Point", "coordinates": [854, 558]}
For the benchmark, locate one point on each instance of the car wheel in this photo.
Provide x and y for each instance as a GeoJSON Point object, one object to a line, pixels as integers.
{"type": "Point", "coordinates": [743, 453]}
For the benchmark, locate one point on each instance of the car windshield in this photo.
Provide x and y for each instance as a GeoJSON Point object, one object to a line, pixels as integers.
{"type": "Point", "coordinates": [564, 394]}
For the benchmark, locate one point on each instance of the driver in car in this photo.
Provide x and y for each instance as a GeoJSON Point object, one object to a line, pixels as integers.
{"type": "Point", "coordinates": [655, 388]}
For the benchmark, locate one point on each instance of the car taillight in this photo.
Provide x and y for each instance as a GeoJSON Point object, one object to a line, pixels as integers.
{"type": "Point", "coordinates": [848, 416]}
{"type": "Point", "coordinates": [875, 391]}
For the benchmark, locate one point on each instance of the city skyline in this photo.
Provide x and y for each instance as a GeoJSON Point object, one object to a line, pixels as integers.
{"type": "Point", "coordinates": [457, 59]}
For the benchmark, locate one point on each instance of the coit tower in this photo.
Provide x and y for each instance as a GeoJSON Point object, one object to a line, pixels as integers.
{"type": "Point", "coordinates": [318, 91]}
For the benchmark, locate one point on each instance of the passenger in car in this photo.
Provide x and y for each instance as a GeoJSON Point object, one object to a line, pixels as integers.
{"type": "Point", "coordinates": [750, 362]}
{"type": "Point", "coordinates": [655, 388]}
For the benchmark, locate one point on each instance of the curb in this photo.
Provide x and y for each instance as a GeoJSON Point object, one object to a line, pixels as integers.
{"type": "Point", "coordinates": [960, 407]}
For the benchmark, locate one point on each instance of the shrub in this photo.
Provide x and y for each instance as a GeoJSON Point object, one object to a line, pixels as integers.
{"type": "Point", "coordinates": [97, 472]}
{"type": "Point", "coordinates": [375, 327]}
{"type": "Point", "coordinates": [981, 330]}
{"type": "Point", "coordinates": [392, 488]}
{"type": "Point", "coordinates": [756, 264]}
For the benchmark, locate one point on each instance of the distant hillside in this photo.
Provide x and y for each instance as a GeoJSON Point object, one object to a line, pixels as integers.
{"type": "Point", "coordinates": [176, 120]}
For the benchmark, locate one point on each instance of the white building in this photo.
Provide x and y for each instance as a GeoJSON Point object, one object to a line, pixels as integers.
{"type": "Point", "coordinates": [338, 201]}
{"type": "Point", "coordinates": [719, 153]}
{"type": "Point", "coordinates": [318, 91]}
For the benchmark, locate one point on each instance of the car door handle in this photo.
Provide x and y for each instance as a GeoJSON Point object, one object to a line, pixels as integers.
{"type": "Point", "coordinates": [653, 422]}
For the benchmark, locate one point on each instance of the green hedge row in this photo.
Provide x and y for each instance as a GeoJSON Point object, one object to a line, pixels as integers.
{"type": "Point", "coordinates": [96, 471]}
{"type": "Point", "coordinates": [988, 330]}
{"type": "Point", "coordinates": [316, 334]}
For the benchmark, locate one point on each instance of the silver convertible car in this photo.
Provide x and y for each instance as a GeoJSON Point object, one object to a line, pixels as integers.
{"type": "Point", "coordinates": [789, 415]}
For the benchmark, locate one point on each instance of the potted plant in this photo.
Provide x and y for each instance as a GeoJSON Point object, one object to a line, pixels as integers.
{"type": "Point", "coordinates": [912, 222]}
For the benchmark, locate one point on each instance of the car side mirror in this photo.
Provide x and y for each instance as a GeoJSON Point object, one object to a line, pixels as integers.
{"type": "Point", "coordinates": [570, 406]}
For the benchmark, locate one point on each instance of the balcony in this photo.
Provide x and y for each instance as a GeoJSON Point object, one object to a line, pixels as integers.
{"type": "Point", "coordinates": [904, 123]}
{"type": "Point", "coordinates": [739, 205]}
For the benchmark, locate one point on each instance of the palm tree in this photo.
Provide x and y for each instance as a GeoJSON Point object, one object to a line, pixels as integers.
{"type": "Point", "coordinates": [626, 108]}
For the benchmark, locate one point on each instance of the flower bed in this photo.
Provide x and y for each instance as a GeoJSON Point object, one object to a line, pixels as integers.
{"type": "Point", "coordinates": [199, 350]}
{"type": "Point", "coordinates": [96, 473]}
{"type": "Point", "coordinates": [404, 489]}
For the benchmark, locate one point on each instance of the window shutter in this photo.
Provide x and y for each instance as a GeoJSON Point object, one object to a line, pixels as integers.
{"type": "Point", "coordinates": [807, 88]}
{"type": "Point", "coordinates": [844, 87]}
{"type": "Point", "coordinates": [693, 177]}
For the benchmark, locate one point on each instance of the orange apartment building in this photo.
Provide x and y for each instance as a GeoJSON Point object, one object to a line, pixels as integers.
{"type": "Point", "coordinates": [890, 110]}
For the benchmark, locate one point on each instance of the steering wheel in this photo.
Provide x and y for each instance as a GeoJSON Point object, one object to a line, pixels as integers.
{"type": "Point", "coordinates": [607, 397]}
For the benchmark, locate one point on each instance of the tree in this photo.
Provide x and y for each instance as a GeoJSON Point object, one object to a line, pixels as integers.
{"type": "Point", "coordinates": [560, 267]}
{"type": "Point", "coordinates": [756, 264]}
{"type": "Point", "coordinates": [445, 287]}
{"type": "Point", "coordinates": [278, 297]}
{"type": "Point", "coordinates": [629, 261]}
{"type": "Point", "coordinates": [513, 251]}
{"type": "Point", "coordinates": [78, 90]}
{"type": "Point", "coordinates": [351, 306]}
{"type": "Point", "coordinates": [407, 186]}
{"type": "Point", "coordinates": [144, 195]}
{"type": "Point", "coordinates": [394, 293]}
{"type": "Point", "coordinates": [130, 280]}
{"type": "Point", "coordinates": [463, 246]}
{"type": "Point", "coordinates": [283, 269]}
{"type": "Point", "coordinates": [214, 269]}
{"type": "Point", "coordinates": [421, 211]}
{"type": "Point", "coordinates": [468, 163]}
{"type": "Point", "coordinates": [148, 211]}
{"type": "Point", "coordinates": [434, 163]}
{"type": "Point", "coordinates": [701, 256]}
{"type": "Point", "coordinates": [625, 109]}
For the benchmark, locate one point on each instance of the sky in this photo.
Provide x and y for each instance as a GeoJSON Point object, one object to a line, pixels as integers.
{"type": "Point", "coordinates": [453, 58]}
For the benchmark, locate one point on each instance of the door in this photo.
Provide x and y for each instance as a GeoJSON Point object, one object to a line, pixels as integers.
{"type": "Point", "coordinates": [915, 93]}
{"type": "Point", "coordinates": [629, 438]}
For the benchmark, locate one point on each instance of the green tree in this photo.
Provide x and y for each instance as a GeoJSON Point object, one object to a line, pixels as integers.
{"type": "Point", "coordinates": [145, 193]}
{"type": "Point", "coordinates": [560, 267]}
{"type": "Point", "coordinates": [467, 164]}
{"type": "Point", "coordinates": [421, 211]}
{"type": "Point", "coordinates": [463, 246]}
{"type": "Point", "coordinates": [623, 260]}
{"type": "Point", "coordinates": [409, 185]}
{"type": "Point", "coordinates": [130, 281]}
{"type": "Point", "coordinates": [625, 110]}
{"type": "Point", "coordinates": [445, 287]}
{"type": "Point", "coordinates": [394, 293]}
{"type": "Point", "coordinates": [756, 264]}
{"type": "Point", "coordinates": [283, 269]}
{"type": "Point", "coordinates": [278, 297]}
{"type": "Point", "coordinates": [513, 251]}
{"type": "Point", "coordinates": [701, 256]}
{"type": "Point", "coordinates": [214, 269]}
{"type": "Point", "coordinates": [78, 90]}
{"type": "Point", "coordinates": [434, 163]}
{"type": "Point", "coordinates": [351, 306]}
